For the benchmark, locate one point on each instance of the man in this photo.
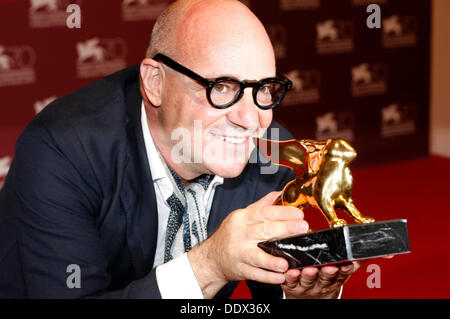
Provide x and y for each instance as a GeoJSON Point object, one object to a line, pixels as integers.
{"type": "Point", "coordinates": [100, 203]}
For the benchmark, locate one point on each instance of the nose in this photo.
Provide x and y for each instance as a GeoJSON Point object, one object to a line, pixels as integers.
{"type": "Point", "coordinates": [245, 113]}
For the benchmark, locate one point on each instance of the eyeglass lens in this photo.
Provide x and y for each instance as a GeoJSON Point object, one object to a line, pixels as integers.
{"type": "Point", "coordinates": [225, 92]}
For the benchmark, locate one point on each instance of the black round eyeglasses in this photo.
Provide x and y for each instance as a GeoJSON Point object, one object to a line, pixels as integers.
{"type": "Point", "coordinates": [223, 92]}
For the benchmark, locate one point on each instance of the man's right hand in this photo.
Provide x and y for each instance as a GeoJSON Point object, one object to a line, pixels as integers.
{"type": "Point", "coordinates": [231, 253]}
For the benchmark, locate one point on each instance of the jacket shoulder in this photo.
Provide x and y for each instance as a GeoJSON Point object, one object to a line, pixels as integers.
{"type": "Point", "coordinates": [105, 97]}
{"type": "Point", "coordinates": [87, 127]}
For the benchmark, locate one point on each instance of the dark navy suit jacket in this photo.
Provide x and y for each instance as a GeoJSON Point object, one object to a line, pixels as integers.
{"type": "Point", "coordinates": [79, 191]}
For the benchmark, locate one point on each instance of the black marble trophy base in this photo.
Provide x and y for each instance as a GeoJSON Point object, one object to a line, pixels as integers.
{"type": "Point", "coordinates": [347, 243]}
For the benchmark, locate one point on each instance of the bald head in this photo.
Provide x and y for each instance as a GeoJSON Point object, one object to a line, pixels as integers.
{"type": "Point", "coordinates": [162, 39]}
{"type": "Point", "coordinates": [188, 28]}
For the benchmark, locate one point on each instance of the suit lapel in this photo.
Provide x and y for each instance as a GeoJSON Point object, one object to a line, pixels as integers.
{"type": "Point", "coordinates": [138, 194]}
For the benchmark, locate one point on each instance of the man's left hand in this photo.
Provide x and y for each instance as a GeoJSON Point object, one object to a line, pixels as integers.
{"type": "Point", "coordinates": [312, 282]}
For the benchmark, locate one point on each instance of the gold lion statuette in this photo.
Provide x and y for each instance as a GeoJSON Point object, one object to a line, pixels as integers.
{"type": "Point", "coordinates": [323, 178]}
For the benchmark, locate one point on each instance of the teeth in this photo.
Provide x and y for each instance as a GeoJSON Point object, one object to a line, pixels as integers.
{"type": "Point", "coordinates": [234, 140]}
{"type": "Point", "coordinates": [230, 139]}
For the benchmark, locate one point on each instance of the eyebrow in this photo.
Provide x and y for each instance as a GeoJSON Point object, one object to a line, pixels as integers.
{"type": "Point", "coordinates": [237, 78]}
{"type": "Point", "coordinates": [234, 77]}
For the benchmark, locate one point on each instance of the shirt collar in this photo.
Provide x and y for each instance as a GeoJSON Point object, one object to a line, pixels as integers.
{"type": "Point", "coordinates": [154, 160]}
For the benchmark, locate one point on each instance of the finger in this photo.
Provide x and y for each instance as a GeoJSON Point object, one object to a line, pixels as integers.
{"type": "Point", "coordinates": [266, 200]}
{"type": "Point", "coordinates": [277, 229]}
{"type": "Point", "coordinates": [347, 268]}
{"type": "Point", "coordinates": [260, 259]}
{"type": "Point", "coordinates": [292, 278]}
{"type": "Point", "coordinates": [324, 283]}
{"type": "Point", "coordinates": [261, 275]}
{"type": "Point", "coordinates": [344, 273]}
{"type": "Point", "coordinates": [308, 277]}
{"type": "Point", "coordinates": [272, 213]}
{"type": "Point", "coordinates": [327, 276]}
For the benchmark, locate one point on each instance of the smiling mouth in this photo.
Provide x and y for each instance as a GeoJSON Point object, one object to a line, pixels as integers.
{"type": "Point", "coordinates": [237, 140]}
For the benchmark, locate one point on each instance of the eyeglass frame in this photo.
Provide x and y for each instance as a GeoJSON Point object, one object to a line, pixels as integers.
{"type": "Point", "coordinates": [209, 84]}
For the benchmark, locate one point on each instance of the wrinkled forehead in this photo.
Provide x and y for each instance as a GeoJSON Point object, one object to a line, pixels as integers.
{"type": "Point", "coordinates": [225, 44]}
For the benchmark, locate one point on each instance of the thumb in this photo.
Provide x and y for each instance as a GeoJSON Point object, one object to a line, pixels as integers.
{"type": "Point", "coordinates": [267, 200]}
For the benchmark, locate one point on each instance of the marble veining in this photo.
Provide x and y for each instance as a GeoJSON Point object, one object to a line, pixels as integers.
{"type": "Point", "coordinates": [351, 242]}
{"type": "Point", "coordinates": [302, 248]}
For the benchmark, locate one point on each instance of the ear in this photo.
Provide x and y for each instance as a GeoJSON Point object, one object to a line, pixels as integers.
{"type": "Point", "coordinates": [151, 80]}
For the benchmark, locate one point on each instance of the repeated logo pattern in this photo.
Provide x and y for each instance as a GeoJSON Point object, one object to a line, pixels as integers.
{"type": "Point", "coordinates": [368, 85]}
{"type": "Point", "coordinates": [398, 119]}
{"type": "Point", "coordinates": [399, 31]}
{"type": "Point", "coordinates": [306, 87]}
{"type": "Point", "coordinates": [98, 57]}
{"type": "Point", "coordinates": [369, 79]}
{"type": "Point", "coordinates": [49, 13]}
{"type": "Point", "coordinates": [17, 65]}
{"type": "Point", "coordinates": [334, 36]}
{"type": "Point", "coordinates": [141, 10]}
{"type": "Point", "coordinates": [335, 125]}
